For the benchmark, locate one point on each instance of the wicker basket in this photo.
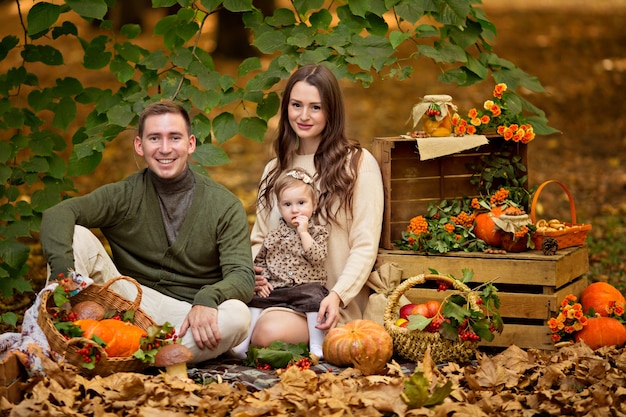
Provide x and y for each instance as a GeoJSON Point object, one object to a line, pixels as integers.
{"type": "Point", "coordinates": [110, 300]}
{"type": "Point", "coordinates": [411, 344]}
{"type": "Point", "coordinates": [573, 235]}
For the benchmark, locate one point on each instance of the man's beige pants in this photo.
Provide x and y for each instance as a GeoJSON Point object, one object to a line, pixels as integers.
{"type": "Point", "coordinates": [92, 260]}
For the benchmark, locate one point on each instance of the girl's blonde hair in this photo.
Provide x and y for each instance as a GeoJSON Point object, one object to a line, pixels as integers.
{"type": "Point", "coordinates": [292, 178]}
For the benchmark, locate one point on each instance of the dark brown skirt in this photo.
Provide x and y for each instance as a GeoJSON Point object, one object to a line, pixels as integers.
{"type": "Point", "coordinates": [304, 298]}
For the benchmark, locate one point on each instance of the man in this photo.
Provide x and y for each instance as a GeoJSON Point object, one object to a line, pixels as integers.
{"type": "Point", "coordinates": [182, 236]}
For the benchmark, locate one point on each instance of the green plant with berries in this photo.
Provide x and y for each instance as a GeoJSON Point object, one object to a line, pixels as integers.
{"type": "Point", "coordinates": [466, 315]}
{"type": "Point", "coordinates": [279, 355]}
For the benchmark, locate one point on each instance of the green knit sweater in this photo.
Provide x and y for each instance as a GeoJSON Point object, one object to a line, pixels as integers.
{"type": "Point", "coordinates": [209, 262]}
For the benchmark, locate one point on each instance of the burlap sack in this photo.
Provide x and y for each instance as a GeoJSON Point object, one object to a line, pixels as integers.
{"type": "Point", "coordinates": [382, 281]}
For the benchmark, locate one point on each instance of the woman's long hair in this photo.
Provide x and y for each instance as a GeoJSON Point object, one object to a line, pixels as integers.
{"type": "Point", "coordinates": [335, 180]}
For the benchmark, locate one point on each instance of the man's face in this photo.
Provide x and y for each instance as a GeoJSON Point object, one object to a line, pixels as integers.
{"type": "Point", "coordinates": [166, 145]}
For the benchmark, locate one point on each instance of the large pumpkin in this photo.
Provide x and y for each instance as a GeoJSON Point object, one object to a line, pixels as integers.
{"type": "Point", "coordinates": [602, 331]}
{"type": "Point", "coordinates": [122, 338]}
{"type": "Point", "coordinates": [364, 344]}
{"type": "Point", "coordinates": [485, 228]}
{"type": "Point", "coordinates": [598, 295]}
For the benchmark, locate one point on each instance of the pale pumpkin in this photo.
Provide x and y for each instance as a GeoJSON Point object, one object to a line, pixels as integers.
{"type": "Point", "coordinates": [599, 295]}
{"type": "Point", "coordinates": [602, 331]}
{"type": "Point", "coordinates": [122, 338]}
{"type": "Point", "coordinates": [364, 344]}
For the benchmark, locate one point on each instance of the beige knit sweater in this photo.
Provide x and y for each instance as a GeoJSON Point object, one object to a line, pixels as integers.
{"type": "Point", "coordinates": [352, 244]}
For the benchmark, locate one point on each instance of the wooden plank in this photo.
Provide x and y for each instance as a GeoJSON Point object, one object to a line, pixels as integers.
{"type": "Point", "coordinates": [523, 336]}
{"type": "Point", "coordinates": [525, 268]}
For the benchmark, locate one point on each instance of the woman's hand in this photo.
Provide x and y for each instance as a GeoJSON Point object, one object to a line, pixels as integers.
{"type": "Point", "coordinates": [262, 287]}
{"type": "Point", "coordinates": [328, 314]}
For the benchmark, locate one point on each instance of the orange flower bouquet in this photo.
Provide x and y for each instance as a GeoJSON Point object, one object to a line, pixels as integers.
{"type": "Point", "coordinates": [501, 115]}
{"type": "Point", "coordinates": [571, 319]}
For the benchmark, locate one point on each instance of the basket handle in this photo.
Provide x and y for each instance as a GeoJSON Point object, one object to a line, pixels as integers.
{"type": "Point", "coordinates": [74, 340]}
{"type": "Point", "coordinates": [572, 207]}
{"type": "Point", "coordinates": [137, 302]}
{"type": "Point", "coordinates": [394, 298]}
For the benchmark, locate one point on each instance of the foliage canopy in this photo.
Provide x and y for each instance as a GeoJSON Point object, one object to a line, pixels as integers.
{"type": "Point", "coordinates": [355, 38]}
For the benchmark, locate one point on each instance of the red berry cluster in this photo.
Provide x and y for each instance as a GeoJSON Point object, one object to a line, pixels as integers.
{"type": "Point", "coordinates": [89, 354]}
{"type": "Point", "coordinates": [433, 110]}
{"type": "Point", "coordinates": [264, 366]}
{"type": "Point", "coordinates": [65, 316]}
{"type": "Point", "coordinates": [467, 335]}
{"type": "Point", "coordinates": [435, 324]}
{"type": "Point", "coordinates": [443, 285]}
{"type": "Point", "coordinates": [302, 364]}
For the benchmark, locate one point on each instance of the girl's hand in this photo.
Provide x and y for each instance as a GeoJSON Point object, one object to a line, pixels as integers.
{"type": "Point", "coordinates": [302, 223]}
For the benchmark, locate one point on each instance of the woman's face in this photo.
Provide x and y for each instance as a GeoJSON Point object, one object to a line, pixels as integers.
{"type": "Point", "coordinates": [306, 115]}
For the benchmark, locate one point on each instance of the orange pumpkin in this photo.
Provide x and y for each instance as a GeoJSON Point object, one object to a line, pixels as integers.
{"type": "Point", "coordinates": [122, 338]}
{"type": "Point", "coordinates": [602, 331]}
{"type": "Point", "coordinates": [485, 228]}
{"type": "Point", "coordinates": [598, 295]}
{"type": "Point", "coordinates": [364, 344]}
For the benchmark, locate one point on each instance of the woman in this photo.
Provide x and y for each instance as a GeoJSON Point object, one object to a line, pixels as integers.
{"type": "Point", "coordinates": [311, 135]}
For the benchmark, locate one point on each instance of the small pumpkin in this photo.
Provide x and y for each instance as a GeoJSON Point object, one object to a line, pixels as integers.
{"type": "Point", "coordinates": [364, 344]}
{"type": "Point", "coordinates": [599, 295]}
{"type": "Point", "coordinates": [602, 331]}
{"type": "Point", "coordinates": [485, 228]}
{"type": "Point", "coordinates": [122, 338]}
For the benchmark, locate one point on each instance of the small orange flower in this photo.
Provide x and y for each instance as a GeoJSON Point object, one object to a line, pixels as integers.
{"type": "Point", "coordinates": [471, 130]}
{"type": "Point", "coordinates": [499, 90]}
{"type": "Point", "coordinates": [485, 119]}
{"type": "Point", "coordinates": [472, 114]}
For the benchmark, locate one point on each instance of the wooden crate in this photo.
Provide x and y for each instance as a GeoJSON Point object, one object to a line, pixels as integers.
{"type": "Point", "coordinates": [531, 286]}
{"type": "Point", "coordinates": [12, 377]}
{"type": "Point", "coordinates": [410, 185]}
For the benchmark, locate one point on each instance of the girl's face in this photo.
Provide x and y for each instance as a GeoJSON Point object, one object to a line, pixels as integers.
{"type": "Point", "coordinates": [166, 145]}
{"type": "Point", "coordinates": [296, 201]}
{"type": "Point", "coordinates": [306, 115]}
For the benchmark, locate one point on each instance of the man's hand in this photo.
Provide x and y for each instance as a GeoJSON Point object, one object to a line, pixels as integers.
{"type": "Point", "coordinates": [262, 287]}
{"type": "Point", "coordinates": [202, 321]}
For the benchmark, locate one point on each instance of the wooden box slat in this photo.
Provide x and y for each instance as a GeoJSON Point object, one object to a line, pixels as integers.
{"type": "Point", "coordinates": [410, 185]}
{"type": "Point", "coordinates": [531, 285]}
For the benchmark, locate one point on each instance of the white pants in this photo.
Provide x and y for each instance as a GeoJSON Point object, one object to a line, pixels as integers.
{"type": "Point", "coordinates": [92, 260]}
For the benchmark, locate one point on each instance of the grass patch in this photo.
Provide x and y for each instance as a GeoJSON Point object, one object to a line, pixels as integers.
{"type": "Point", "coordinates": [607, 250]}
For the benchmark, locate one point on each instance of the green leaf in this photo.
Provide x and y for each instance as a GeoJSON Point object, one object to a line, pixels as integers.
{"type": "Point", "coordinates": [66, 28]}
{"type": "Point", "coordinates": [208, 154]}
{"type": "Point", "coordinates": [14, 118]}
{"type": "Point", "coordinates": [321, 19]}
{"type": "Point", "coordinates": [41, 16]}
{"type": "Point", "coordinates": [42, 53]}
{"type": "Point", "coordinates": [8, 42]}
{"type": "Point", "coordinates": [123, 70]}
{"type": "Point", "coordinates": [13, 253]}
{"type": "Point", "coordinates": [253, 128]}
{"type": "Point", "coordinates": [89, 9]}
{"type": "Point", "coordinates": [225, 127]}
{"type": "Point", "coordinates": [201, 127]}
{"type": "Point", "coordinates": [303, 6]}
{"type": "Point", "coordinates": [121, 114]}
{"type": "Point", "coordinates": [155, 61]}
{"type": "Point", "coordinates": [129, 52]}
{"type": "Point", "coordinates": [396, 38]}
{"type": "Point", "coordinates": [270, 42]}
{"type": "Point", "coordinates": [281, 17]}
{"type": "Point", "coordinates": [64, 113]}
{"type": "Point", "coordinates": [131, 30]}
{"type": "Point", "coordinates": [96, 57]}
{"type": "Point", "coordinates": [9, 318]}
{"type": "Point", "coordinates": [182, 57]}
{"type": "Point", "coordinates": [248, 65]}
{"type": "Point", "coordinates": [67, 87]}
{"type": "Point", "coordinates": [210, 5]}
{"type": "Point", "coordinates": [410, 10]}
{"type": "Point", "coordinates": [269, 106]}
{"type": "Point", "coordinates": [359, 7]}
{"type": "Point", "coordinates": [238, 5]}
{"type": "Point", "coordinates": [83, 166]}
{"type": "Point", "coordinates": [163, 3]}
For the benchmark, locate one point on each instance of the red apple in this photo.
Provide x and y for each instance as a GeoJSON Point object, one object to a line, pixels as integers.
{"type": "Point", "coordinates": [433, 308]}
{"type": "Point", "coordinates": [405, 310]}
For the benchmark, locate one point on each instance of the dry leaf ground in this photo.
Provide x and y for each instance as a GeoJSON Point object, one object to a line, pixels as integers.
{"type": "Point", "coordinates": [571, 381]}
